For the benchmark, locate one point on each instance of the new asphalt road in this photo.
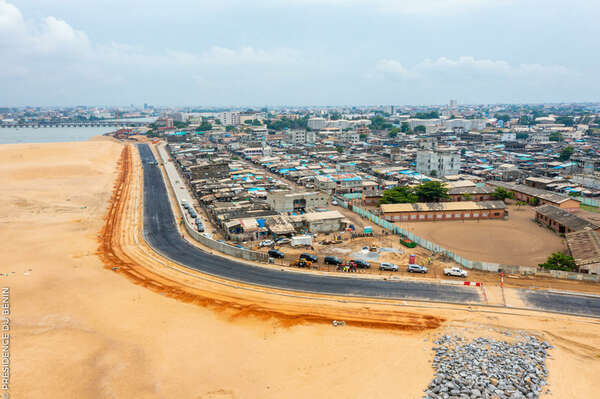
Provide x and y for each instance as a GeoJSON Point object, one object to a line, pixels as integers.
{"type": "Point", "coordinates": [162, 234]}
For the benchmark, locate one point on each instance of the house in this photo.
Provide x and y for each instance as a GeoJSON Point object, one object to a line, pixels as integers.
{"type": "Point", "coordinates": [440, 211]}
{"type": "Point", "coordinates": [584, 246]}
{"type": "Point", "coordinates": [534, 195]}
{"type": "Point", "coordinates": [473, 193]}
{"type": "Point", "coordinates": [561, 220]}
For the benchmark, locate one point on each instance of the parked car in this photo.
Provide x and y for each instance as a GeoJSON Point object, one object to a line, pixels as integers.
{"type": "Point", "coordinates": [414, 268]}
{"type": "Point", "coordinates": [456, 272]}
{"type": "Point", "coordinates": [266, 243]}
{"type": "Point", "coordinates": [361, 264]}
{"type": "Point", "coordinates": [390, 267]}
{"type": "Point", "coordinates": [310, 257]}
{"type": "Point", "coordinates": [275, 253]}
{"type": "Point", "coordinates": [332, 260]}
{"type": "Point", "coordinates": [185, 204]}
{"type": "Point", "coordinates": [282, 241]}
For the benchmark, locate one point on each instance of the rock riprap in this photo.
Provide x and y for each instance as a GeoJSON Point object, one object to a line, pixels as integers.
{"type": "Point", "coordinates": [487, 368]}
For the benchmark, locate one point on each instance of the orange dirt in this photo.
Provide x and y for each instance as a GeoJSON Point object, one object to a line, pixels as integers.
{"type": "Point", "coordinates": [116, 258]}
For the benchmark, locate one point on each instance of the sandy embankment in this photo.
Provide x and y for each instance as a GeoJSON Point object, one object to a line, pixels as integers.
{"type": "Point", "coordinates": [83, 331]}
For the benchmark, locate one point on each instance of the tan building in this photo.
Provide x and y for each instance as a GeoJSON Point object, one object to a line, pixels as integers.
{"type": "Point", "coordinates": [562, 221]}
{"type": "Point", "coordinates": [444, 211]}
{"type": "Point", "coordinates": [527, 194]}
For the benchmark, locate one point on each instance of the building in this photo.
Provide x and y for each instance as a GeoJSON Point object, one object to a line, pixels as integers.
{"type": "Point", "coordinates": [209, 170]}
{"type": "Point", "coordinates": [562, 221]}
{"type": "Point", "coordinates": [539, 182]}
{"type": "Point", "coordinates": [535, 196]}
{"type": "Point", "coordinates": [585, 249]}
{"type": "Point", "coordinates": [320, 222]}
{"type": "Point", "coordinates": [230, 118]}
{"type": "Point", "coordinates": [351, 137]}
{"type": "Point", "coordinates": [178, 116]}
{"type": "Point", "coordinates": [444, 211]}
{"type": "Point", "coordinates": [285, 201]}
{"type": "Point", "coordinates": [164, 123]}
{"type": "Point", "coordinates": [300, 137]}
{"type": "Point", "coordinates": [438, 163]}
{"type": "Point", "coordinates": [472, 193]}
{"type": "Point", "coordinates": [317, 123]}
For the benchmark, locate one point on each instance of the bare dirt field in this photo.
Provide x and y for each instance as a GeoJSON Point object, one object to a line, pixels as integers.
{"type": "Point", "coordinates": [516, 241]}
{"type": "Point", "coordinates": [83, 330]}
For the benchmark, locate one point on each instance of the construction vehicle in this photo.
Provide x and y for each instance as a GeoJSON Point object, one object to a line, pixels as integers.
{"type": "Point", "coordinates": [301, 263]}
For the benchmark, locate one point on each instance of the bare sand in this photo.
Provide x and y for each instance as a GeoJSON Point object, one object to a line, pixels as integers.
{"type": "Point", "coordinates": [516, 241]}
{"type": "Point", "coordinates": [82, 330]}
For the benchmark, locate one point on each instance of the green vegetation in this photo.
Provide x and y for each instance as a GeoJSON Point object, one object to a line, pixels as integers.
{"type": "Point", "coordinates": [404, 127]}
{"type": "Point", "coordinates": [399, 195]}
{"type": "Point", "coordinates": [565, 120]}
{"type": "Point", "coordinates": [501, 194]}
{"type": "Point", "coordinates": [286, 122]}
{"type": "Point", "coordinates": [420, 129]}
{"type": "Point", "coordinates": [504, 117]}
{"type": "Point", "coordinates": [522, 136]}
{"type": "Point", "coordinates": [526, 120]}
{"type": "Point", "coordinates": [467, 197]}
{"type": "Point", "coordinates": [204, 126]}
{"type": "Point", "coordinates": [589, 208]}
{"type": "Point", "coordinates": [229, 128]}
{"type": "Point", "coordinates": [427, 115]}
{"type": "Point", "coordinates": [534, 201]}
{"type": "Point", "coordinates": [556, 136]}
{"type": "Point", "coordinates": [394, 132]}
{"type": "Point", "coordinates": [180, 125]}
{"type": "Point", "coordinates": [253, 122]}
{"type": "Point", "coordinates": [566, 153]}
{"type": "Point", "coordinates": [559, 261]}
{"type": "Point", "coordinates": [378, 122]}
{"type": "Point", "coordinates": [431, 191]}
{"type": "Point", "coordinates": [339, 149]}
{"type": "Point", "coordinates": [363, 136]}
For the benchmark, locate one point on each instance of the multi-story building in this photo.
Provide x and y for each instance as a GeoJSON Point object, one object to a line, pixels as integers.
{"type": "Point", "coordinates": [284, 201]}
{"type": "Point", "coordinates": [438, 163]}
{"type": "Point", "coordinates": [317, 123]}
{"type": "Point", "coordinates": [298, 137]}
{"type": "Point", "coordinates": [230, 118]}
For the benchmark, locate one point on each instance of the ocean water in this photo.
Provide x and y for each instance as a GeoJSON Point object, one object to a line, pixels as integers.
{"type": "Point", "coordinates": [13, 135]}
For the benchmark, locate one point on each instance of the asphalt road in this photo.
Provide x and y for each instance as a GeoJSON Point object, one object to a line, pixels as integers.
{"type": "Point", "coordinates": [162, 234]}
{"type": "Point", "coordinates": [562, 303]}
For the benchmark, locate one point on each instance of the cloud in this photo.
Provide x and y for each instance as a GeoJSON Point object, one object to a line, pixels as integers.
{"type": "Point", "coordinates": [411, 7]}
{"type": "Point", "coordinates": [465, 66]}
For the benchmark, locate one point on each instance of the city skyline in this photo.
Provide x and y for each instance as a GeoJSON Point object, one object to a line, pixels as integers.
{"type": "Point", "coordinates": [300, 52]}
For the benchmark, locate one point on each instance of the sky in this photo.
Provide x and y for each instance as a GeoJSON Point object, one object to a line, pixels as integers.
{"type": "Point", "coordinates": [298, 52]}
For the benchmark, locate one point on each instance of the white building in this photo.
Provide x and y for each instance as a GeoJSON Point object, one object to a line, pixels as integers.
{"type": "Point", "coordinates": [438, 163]}
{"type": "Point", "coordinates": [509, 136]}
{"type": "Point", "coordinates": [178, 116]}
{"type": "Point", "coordinates": [466, 124]}
{"type": "Point", "coordinates": [317, 123]}
{"type": "Point", "coordinates": [298, 137]}
{"type": "Point", "coordinates": [351, 137]}
{"type": "Point", "coordinates": [229, 118]}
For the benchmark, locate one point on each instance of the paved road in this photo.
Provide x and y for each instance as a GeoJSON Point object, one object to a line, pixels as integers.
{"type": "Point", "coordinates": [161, 233]}
{"type": "Point", "coordinates": [562, 303]}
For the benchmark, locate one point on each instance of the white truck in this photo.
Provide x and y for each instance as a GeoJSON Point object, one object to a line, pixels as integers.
{"type": "Point", "coordinates": [304, 240]}
{"type": "Point", "coordinates": [456, 272]}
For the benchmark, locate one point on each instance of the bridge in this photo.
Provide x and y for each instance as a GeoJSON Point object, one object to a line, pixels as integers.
{"type": "Point", "coordinates": [122, 124]}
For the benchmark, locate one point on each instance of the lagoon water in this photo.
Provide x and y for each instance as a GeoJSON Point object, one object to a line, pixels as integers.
{"type": "Point", "coordinates": [13, 135]}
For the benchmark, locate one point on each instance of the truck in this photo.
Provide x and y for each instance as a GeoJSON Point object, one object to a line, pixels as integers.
{"type": "Point", "coordinates": [304, 240]}
{"type": "Point", "coordinates": [455, 271]}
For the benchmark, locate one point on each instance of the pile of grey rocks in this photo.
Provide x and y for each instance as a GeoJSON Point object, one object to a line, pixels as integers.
{"type": "Point", "coordinates": [487, 368]}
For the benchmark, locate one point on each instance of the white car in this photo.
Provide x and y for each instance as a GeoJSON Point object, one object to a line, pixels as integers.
{"type": "Point", "coordinates": [456, 272]}
{"type": "Point", "coordinates": [266, 243]}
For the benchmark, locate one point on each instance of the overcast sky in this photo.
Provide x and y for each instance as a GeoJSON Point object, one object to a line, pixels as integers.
{"type": "Point", "coordinates": [298, 52]}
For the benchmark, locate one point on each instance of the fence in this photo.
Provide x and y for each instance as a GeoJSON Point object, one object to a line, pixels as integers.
{"type": "Point", "coordinates": [204, 240]}
{"type": "Point", "coordinates": [467, 263]}
{"type": "Point", "coordinates": [589, 201]}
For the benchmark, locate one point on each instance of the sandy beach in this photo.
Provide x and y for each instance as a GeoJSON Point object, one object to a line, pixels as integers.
{"type": "Point", "coordinates": [82, 330]}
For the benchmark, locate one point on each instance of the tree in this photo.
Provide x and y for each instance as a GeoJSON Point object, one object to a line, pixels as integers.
{"type": "Point", "coordinates": [363, 136]}
{"type": "Point", "coordinates": [420, 129]}
{"type": "Point", "coordinates": [427, 115]}
{"type": "Point", "coordinates": [399, 195]}
{"type": "Point", "coordinates": [229, 128]}
{"type": "Point", "coordinates": [378, 122]}
{"type": "Point", "coordinates": [394, 132]}
{"type": "Point", "coordinates": [432, 191]}
{"type": "Point", "coordinates": [503, 118]}
{"type": "Point", "coordinates": [180, 125]}
{"type": "Point", "coordinates": [556, 136]}
{"type": "Point", "coordinates": [404, 127]}
{"type": "Point", "coordinates": [256, 122]}
{"type": "Point", "coordinates": [526, 120]}
{"type": "Point", "coordinates": [566, 153]}
{"type": "Point", "coordinates": [501, 194]}
{"type": "Point", "coordinates": [204, 126]}
{"type": "Point", "coordinates": [565, 120]}
{"type": "Point", "coordinates": [559, 261]}
{"type": "Point", "coordinates": [522, 136]}
{"type": "Point", "coordinates": [339, 149]}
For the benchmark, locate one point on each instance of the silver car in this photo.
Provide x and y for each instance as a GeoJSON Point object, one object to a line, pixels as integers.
{"type": "Point", "coordinates": [388, 267]}
{"type": "Point", "coordinates": [417, 269]}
